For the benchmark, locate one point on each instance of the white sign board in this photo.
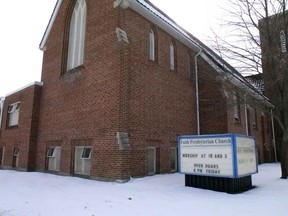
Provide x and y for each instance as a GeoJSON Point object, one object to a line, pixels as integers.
{"type": "Point", "coordinates": [227, 155]}
{"type": "Point", "coordinates": [246, 155]}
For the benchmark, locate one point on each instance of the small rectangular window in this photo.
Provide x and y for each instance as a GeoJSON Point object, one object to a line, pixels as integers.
{"type": "Point", "coordinates": [152, 45]}
{"type": "Point", "coordinates": [16, 152]}
{"type": "Point", "coordinates": [86, 153]}
{"type": "Point", "coordinates": [13, 114]}
{"type": "Point", "coordinates": [172, 57]}
{"type": "Point", "coordinates": [236, 109]}
{"type": "Point", "coordinates": [82, 160]}
{"type": "Point", "coordinates": [50, 152]}
{"type": "Point", "coordinates": [53, 158]}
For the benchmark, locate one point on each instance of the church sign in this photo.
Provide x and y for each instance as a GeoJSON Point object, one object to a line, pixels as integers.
{"type": "Point", "coordinates": [227, 155]}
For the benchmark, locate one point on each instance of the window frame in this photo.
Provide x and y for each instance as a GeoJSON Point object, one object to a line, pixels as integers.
{"type": "Point", "coordinates": [50, 152]}
{"type": "Point", "coordinates": [16, 151]}
{"type": "Point", "coordinates": [236, 109]}
{"type": "Point", "coordinates": [76, 33]}
{"type": "Point", "coordinates": [152, 45]}
{"type": "Point", "coordinates": [84, 152]}
{"type": "Point", "coordinates": [13, 112]}
{"type": "Point", "coordinates": [172, 50]}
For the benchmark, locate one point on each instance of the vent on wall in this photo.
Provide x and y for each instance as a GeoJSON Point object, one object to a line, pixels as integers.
{"type": "Point", "coordinates": [122, 35]}
{"type": "Point", "coordinates": [123, 141]}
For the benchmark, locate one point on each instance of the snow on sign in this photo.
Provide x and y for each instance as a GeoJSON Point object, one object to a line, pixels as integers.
{"type": "Point", "coordinates": [227, 155]}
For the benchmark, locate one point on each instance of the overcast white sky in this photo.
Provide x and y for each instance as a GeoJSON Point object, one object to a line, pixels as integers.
{"type": "Point", "coordinates": [23, 23]}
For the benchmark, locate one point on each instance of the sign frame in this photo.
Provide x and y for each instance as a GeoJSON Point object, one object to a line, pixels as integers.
{"type": "Point", "coordinates": [222, 144]}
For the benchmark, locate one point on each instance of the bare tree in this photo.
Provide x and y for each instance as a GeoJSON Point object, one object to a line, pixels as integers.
{"type": "Point", "coordinates": [239, 42]}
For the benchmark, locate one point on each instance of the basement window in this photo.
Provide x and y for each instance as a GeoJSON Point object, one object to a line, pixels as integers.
{"type": "Point", "coordinates": [53, 158]}
{"type": "Point", "coordinates": [86, 153]}
{"type": "Point", "coordinates": [16, 152]}
{"type": "Point", "coordinates": [82, 160]}
{"type": "Point", "coordinates": [50, 152]}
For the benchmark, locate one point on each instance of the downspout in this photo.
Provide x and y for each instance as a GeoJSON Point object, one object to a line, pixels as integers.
{"type": "Point", "coordinates": [197, 92]}
{"type": "Point", "coordinates": [246, 115]}
{"type": "Point", "coordinates": [273, 134]}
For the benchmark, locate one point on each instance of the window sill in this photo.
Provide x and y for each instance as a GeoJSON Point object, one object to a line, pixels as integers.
{"type": "Point", "coordinates": [12, 127]}
{"type": "Point", "coordinates": [153, 61]}
{"type": "Point", "coordinates": [173, 71]}
{"type": "Point", "coordinates": [72, 74]}
{"type": "Point", "coordinates": [238, 123]}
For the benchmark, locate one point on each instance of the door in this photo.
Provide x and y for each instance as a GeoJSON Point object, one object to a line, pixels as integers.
{"type": "Point", "coordinates": [1, 155]}
{"type": "Point", "coordinates": [151, 161]}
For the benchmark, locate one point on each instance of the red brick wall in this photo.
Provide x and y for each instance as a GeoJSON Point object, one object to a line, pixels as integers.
{"type": "Point", "coordinates": [162, 102]}
{"type": "Point", "coordinates": [120, 90]}
{"type": "Point", "coordinates": [85, 105]}
{"type": "Point", "coordinates": [213, 105]}
{"type": "Point", "coordinates": [23, 136]}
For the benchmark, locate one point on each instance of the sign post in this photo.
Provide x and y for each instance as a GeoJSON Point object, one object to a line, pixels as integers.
{"type": "Point", "coordinates": [218, 162]}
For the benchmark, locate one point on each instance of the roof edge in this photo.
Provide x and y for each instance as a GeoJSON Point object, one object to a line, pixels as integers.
{"type": "Point", "coordinates": [177, 33]}
{"type": "Point", "coordinates": [49, 26]}
{"type": "Point", "coordinates": [24, 87]}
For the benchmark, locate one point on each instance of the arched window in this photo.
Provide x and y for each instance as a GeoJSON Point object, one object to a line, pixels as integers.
{"type": "Point", "coordinates": [172, 56]}
{"type": "Point", "coordinates": [236, 108]}
{"type": "Point", "coordinates": [75, 55]}
{"type": "Point", "coordinates": [152, 45]}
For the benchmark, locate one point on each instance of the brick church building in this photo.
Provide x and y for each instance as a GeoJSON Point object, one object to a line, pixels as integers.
{"type": "Point", "coordinates": [120, 82]}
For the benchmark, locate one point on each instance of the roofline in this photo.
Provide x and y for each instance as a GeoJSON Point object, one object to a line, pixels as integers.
{"type": "Point", "coordinates": [24, 87]}
{"type": "Point", "coordinates": [50, 25]}
{"type": "Point", "coordinates": [192, 42]}
{"type": "Point", "coordinates": [140, 8]}
{"type": "Point", "coordinates": [219, 64]}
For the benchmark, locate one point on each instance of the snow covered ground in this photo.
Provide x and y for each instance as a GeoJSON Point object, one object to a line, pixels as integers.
{"type": "Point", "coordinates": [40, 194]}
